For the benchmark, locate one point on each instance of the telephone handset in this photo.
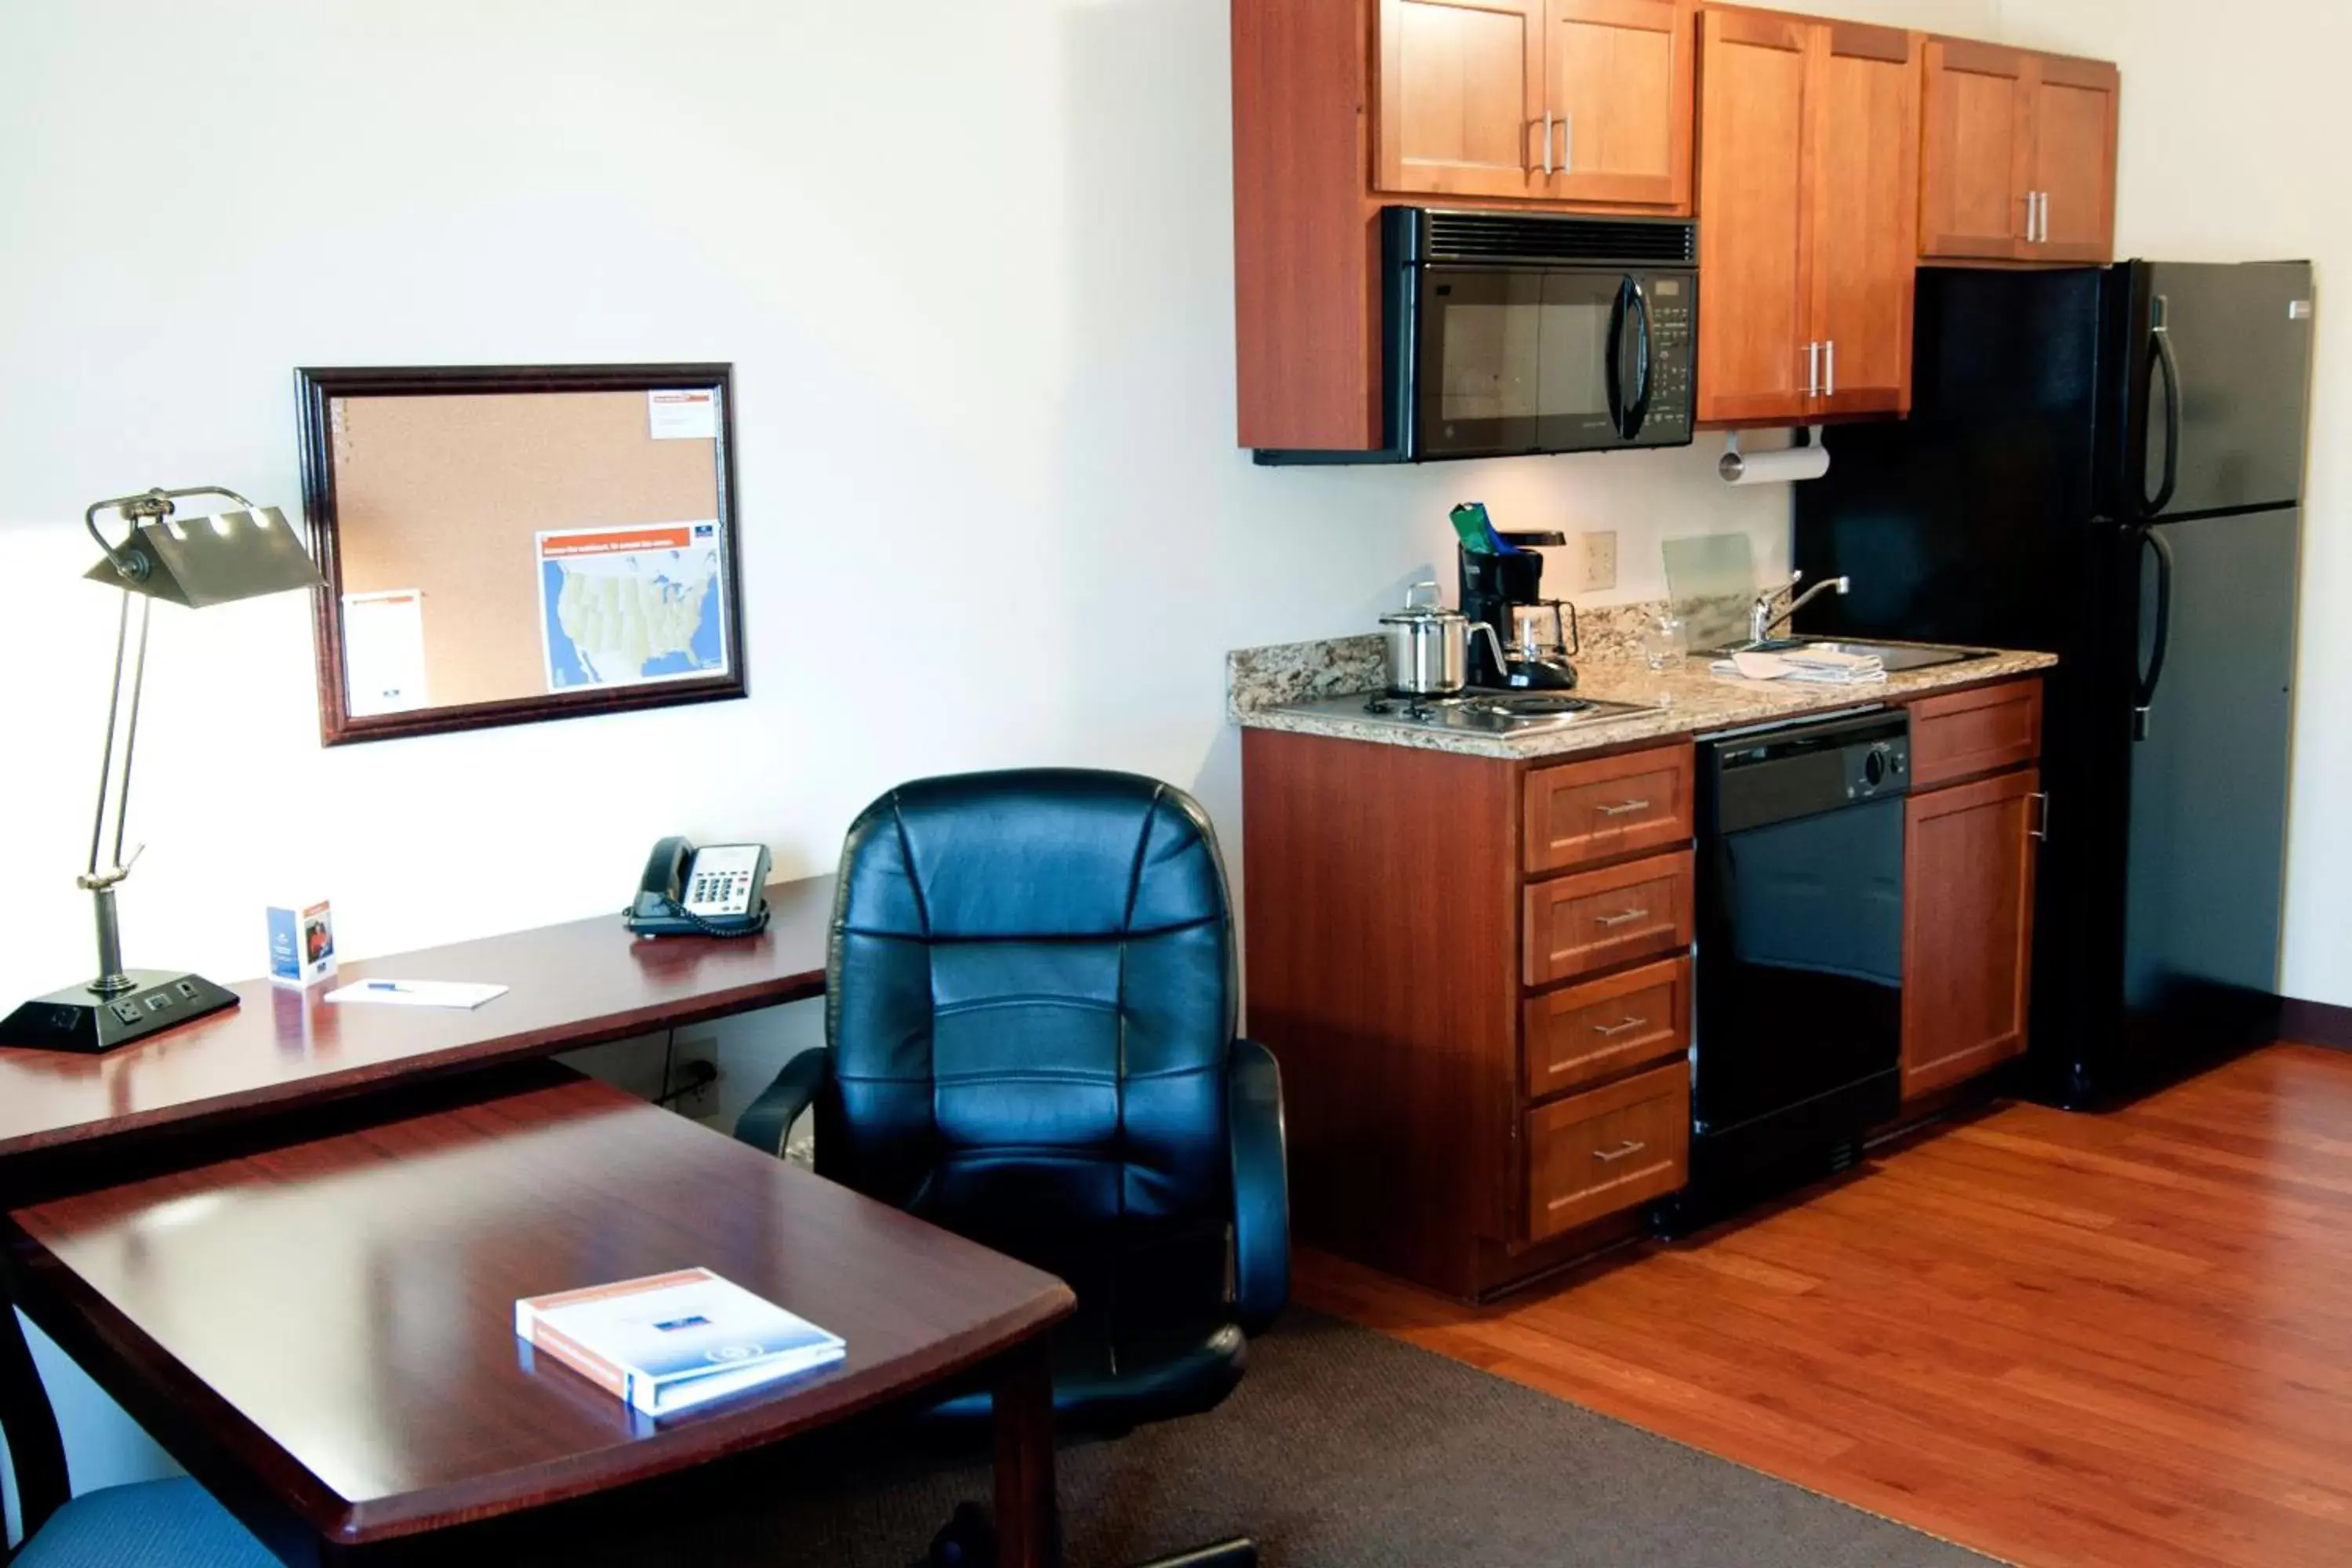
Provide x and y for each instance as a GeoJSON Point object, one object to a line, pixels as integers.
{"type": "Point", "coordinates": [718, 890]}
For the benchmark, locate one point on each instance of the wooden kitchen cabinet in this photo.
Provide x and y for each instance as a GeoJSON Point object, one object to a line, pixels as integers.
{"type": "Point", "coordinates": [2018, 156]}
{"type": "Point", "coordinates": [1477, 981]}
{"type": "Point", "coordinates": [1618, 83]}
{"type": "Point", "coordinates": [1462, 97]}
{"type": "Point", "coordinates": [1809, 158]}
{"type": "Point", "coordinates": [1968, 927]}
{"type": "Point", "coordinates": [1561, 102]}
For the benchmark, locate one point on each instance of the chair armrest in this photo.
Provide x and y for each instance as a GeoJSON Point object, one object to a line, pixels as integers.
{"type": "Point", "coordinates": [1261, 1186]}
{"type": "Point", "coordinates": [768, 1120]}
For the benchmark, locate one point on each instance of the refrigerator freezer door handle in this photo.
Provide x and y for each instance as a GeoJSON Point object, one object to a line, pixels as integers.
{"type": "Point", "coordinates": [2154, 674]}
{"type": "Point", "coordinates": [2169, 367]}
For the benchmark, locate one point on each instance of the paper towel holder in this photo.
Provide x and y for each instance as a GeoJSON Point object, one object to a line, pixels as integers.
{"type": "Point", "coordinates": [1808, 458]}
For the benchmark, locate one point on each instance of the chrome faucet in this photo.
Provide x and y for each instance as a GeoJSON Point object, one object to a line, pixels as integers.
{"type": "Point", "coordinates": [1762, 618]}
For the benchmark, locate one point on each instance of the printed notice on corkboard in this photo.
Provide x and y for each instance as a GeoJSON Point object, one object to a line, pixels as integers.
{"type": "Point", "coordinates": [527, 544]}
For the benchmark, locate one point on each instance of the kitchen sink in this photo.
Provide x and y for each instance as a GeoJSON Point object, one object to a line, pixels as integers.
{"type": "Point", "coordinates": [1896, 657]}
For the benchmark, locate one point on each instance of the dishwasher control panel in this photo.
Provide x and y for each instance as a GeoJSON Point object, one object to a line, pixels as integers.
{"type": "Point", "coordinates": [1775, 773]}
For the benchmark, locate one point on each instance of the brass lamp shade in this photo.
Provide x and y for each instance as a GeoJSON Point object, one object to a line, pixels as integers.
{"type": "Point", "coordinates": [203, 561]}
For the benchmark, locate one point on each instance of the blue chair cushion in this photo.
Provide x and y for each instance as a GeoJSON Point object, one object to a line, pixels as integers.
{"type": "Point", "coordinates": [154, 1524]}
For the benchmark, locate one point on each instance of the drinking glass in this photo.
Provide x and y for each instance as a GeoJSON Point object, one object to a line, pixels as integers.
{"type": "Point", "coordinates": [1666, 641]}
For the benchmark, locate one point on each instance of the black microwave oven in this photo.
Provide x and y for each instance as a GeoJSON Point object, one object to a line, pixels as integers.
{"type": "Point", "coordinates": [1516, 333]}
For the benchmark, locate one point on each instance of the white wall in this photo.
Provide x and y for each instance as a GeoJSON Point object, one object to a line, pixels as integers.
{"type": "Point", "coordinates": [2233, 124]}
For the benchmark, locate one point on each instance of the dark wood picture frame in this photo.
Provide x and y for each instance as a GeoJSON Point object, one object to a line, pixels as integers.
{"type": "Point", "coordinates": [317, 389]}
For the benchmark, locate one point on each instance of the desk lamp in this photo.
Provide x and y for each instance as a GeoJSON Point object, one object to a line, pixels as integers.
{"type": "Point", "coordinates": [198, 563]}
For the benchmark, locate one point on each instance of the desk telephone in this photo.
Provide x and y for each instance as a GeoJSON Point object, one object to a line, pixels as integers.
{"type": "Point", "coordinates": [718, 890]}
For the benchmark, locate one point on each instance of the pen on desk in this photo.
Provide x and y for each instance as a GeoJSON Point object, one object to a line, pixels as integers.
{"type": "Point", "coordinates": [385, 986]}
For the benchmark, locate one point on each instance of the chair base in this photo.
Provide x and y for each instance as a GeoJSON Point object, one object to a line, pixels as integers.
{"type": "Point", "coordinates": [969, 1540]}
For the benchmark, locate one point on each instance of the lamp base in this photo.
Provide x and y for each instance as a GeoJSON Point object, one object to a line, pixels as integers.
{"type": "Point", "coordinates": [79, 1019]}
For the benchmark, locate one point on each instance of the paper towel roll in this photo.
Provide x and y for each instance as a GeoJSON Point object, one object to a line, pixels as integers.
{"type": "Point", "coordinates": [1774, 468]}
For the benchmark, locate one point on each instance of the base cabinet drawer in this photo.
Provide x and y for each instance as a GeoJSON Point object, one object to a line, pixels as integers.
{"type": "Point", "coordinates": [1961, 734]}
{"type": "Point", "coordinates": [1577, 924]}
{"type": "Point", "coordinates": [1616, 806]}
{"type": "Point", "coordinates": [1589, 1032]}
{"type": "Point", "coordinates": [1593, 1154]}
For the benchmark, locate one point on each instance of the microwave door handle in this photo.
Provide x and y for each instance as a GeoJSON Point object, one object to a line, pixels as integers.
{"type": "Point", "coordinates": [1637, 413]}
{"type": "Point", "coordinates": [1612, 371]}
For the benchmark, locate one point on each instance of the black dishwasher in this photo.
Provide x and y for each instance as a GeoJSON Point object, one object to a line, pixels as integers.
{"type": "Point", "coordinates": [1799, 1022]}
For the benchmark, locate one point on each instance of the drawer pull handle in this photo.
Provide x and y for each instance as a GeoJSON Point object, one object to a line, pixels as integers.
{"type": "Point", "coordinates": [1625, 808]}
{"type": "Point", "coordinates": [1628, 918]}
{"type": "Point", "coordinates": [1624, 1150]}
{"type": "Point", "coordinates": [1611, 1031]}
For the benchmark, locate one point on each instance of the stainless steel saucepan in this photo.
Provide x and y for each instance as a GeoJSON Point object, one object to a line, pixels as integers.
{"type": "Point", "coordinates": [1428, 645]}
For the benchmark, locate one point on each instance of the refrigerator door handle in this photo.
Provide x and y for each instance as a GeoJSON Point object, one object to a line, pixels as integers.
{"type": "Point", "coordinates": [2169, 367]}
{"type": "Point", "coordinates": [2154, 674]}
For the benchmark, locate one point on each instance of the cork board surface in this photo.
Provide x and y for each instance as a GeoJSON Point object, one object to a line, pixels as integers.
{"type": "Point", "coordinates": [445, 494]}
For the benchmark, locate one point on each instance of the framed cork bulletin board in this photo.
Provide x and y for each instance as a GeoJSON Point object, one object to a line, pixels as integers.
{"type": "Point", "coordinates": [506, 544]}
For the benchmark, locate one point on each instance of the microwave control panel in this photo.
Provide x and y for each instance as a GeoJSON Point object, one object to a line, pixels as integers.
{"type": "Point", "coordinates": [1671, 300]}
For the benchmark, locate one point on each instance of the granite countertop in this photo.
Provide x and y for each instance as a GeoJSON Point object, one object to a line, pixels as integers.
{"type": "Point", "coordinates": [1262, 682]}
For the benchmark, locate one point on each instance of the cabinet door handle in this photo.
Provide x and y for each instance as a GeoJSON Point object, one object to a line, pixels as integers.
{"type": "Point", "coordinates": [1567, 142]}
{"type": "Point", "coordinates": [1628, 918]}
{"type": "Point", "coordinates": [1829, 373]}
{"type": "Point", "coordinates": [1625, 808]}
{"type": "Point", "coordinates": [1547, 141]}
{"type": "Point", "coordinates": [1611, 1031]}
{"type": "Point", "coordinates": [1626, 1150]}
{"type": "Point", "coordinates": [2040, 828]}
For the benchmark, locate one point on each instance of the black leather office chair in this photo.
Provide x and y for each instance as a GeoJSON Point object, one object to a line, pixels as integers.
{"type": "Point", "coordinates": [1031, 1010]}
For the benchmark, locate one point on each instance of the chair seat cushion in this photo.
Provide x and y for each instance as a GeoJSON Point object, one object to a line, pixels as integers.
{"type": "Point", "coordinates": [154, 1524]}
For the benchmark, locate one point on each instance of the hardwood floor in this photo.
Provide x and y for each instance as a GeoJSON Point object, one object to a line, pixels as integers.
{"type": "Point", "coordinates": [2057, 1339]}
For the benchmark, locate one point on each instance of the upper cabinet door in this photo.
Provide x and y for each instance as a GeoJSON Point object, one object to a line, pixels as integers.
{"type": "Point", "coordinates": [1462, 85]}
{"type": "Point", "coordinates": [1757, 359]}
{"type": "Point", "coordinates": [1979, 128]}
{"type": "Point", "coordinates": [2073, 169]}
{"type": "Point", "coordinates": [1864, 105]}
{"type": "Point", "coordinates": [1619, 77]}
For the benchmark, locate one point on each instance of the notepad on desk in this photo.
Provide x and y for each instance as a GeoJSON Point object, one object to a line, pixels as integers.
{"type": "Point", "coordinates": [459, 993]}
{"type": "Point", "coordinates": [669, 1341]}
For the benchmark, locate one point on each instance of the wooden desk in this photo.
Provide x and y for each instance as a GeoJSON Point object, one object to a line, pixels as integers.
{"type": "Point", "coordinates": [284, 1051]}
{"type": "Point", "coordinates": [571, 985]}
{"type": "Point", "coordinates": [334, 1318]}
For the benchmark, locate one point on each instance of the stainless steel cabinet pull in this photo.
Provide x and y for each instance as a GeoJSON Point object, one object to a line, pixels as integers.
{"type": "Point", "coordinates": [1567, 142]}
{"type": "Point", "coordinates": [1813, 370]}
{"type": "Point", "coordinates": [2040, 828]}
{"type": "Point", "coordinates": [1625, 808]}
{"type": "Point", "coordinates": [1547, 130]}
{"type": "Point", "coordinates": [1628, 918]}
{"type": "Point", "coordinates": [1611, 1031]}
{"type": "Point", "coordinates": [1632, 1146]}
{"type": "Point", "coordinates": [1829, 376]}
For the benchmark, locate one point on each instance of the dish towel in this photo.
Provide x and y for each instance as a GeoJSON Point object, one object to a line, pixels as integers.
{"type": "Point", "coordinates": [1820, 664]}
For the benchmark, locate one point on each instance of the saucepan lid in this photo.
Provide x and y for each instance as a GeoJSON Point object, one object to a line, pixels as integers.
{"type": "Point", "coordinates": [1422, 608]}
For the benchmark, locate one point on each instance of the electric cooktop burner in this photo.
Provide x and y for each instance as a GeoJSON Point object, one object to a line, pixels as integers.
{"type": "Point", "coordinates": [1482, 713]}
{"type": "Point", "coordinates": [1532, 707]}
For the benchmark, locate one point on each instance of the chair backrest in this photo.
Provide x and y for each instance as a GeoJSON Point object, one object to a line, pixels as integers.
{"type": "Point", "coordinates": [1031, 1007]}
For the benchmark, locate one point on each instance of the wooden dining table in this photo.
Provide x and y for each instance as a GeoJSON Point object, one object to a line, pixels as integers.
{"type": "Point", "coordinates": [288, 1241]}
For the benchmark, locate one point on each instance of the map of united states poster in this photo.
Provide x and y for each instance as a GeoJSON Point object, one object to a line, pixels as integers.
{"type": "Point", "coordinates": [622, 606]}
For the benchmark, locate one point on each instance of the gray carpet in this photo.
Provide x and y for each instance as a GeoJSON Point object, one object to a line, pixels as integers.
{"type": "Point", "coordinates": [1342, 1446]}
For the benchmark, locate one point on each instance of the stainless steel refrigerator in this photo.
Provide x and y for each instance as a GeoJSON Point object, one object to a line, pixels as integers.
{"type": "Point", "coordinates": [2107, 464]}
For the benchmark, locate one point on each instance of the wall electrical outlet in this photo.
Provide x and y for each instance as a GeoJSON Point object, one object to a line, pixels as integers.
{"type": "Point", "coordinates": [1599, 560]}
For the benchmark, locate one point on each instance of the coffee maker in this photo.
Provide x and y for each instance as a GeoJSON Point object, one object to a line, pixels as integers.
{"type": "Point", "coordinates": [1537, 635]}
